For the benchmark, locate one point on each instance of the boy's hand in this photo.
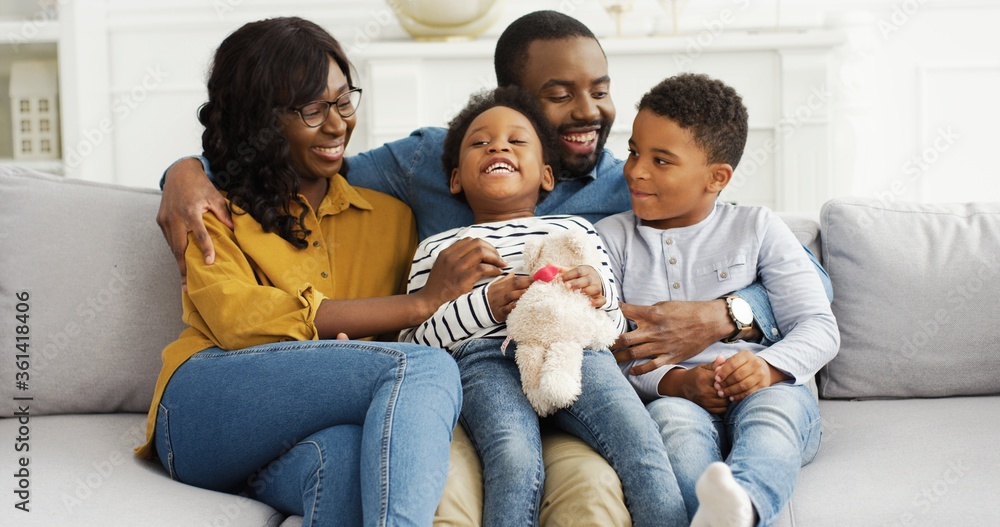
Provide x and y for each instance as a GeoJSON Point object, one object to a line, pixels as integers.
{"type": "Point", "coordinates": [502, 294]}
{"type": "Point", "coordinates": [743, 374]}
{"type": "Point", "coordinates": [187, 194]}
{"type": "Point", "coordinates": [586, 279]}
{"type": "Point", "coordinates": [694, 385]}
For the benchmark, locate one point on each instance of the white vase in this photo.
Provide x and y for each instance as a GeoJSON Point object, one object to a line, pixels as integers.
{"type": "Point", "coordinates": [446, 19]}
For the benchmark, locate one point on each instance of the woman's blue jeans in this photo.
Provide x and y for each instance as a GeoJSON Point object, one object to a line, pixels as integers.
{"type": "Point", "coordinates": [341, 432]}
{"type": "Point", "coordinates": [609, 416]}
{"type": "Point", "coordinates": [765, 439]}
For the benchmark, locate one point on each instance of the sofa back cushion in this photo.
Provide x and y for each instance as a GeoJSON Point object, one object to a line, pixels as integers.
{"type": "Point", "coordinates": [915, 287]}
{"type": "Point", "coordinates": [103, 293]}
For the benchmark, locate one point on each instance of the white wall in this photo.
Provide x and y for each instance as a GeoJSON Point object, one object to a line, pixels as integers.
{"type": "Point", "coordinates": [912, 109]}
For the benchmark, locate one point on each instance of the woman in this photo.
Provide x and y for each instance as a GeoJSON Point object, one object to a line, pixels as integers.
{"type": "Point", "coordinates": [254, 397]}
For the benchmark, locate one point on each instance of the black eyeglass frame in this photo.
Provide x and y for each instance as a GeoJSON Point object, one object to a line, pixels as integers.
{"type": "Point", "coordinates": [330, 104]}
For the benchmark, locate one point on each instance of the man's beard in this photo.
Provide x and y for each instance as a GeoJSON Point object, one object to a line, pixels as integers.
{"type": "Point", "coordinates": [574, 166]}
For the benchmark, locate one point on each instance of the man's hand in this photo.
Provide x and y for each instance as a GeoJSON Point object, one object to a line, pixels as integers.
{"type": "Point", "coordinates": [694, 385]}
{"type": "Point", "coordinates": [187, 194]}
{"type": "Point", "coordinates": [586, 279]}
{"type": "Point", "coordinates": [743, 374]}
{"type": "Point", "coordinates": [671, 331]}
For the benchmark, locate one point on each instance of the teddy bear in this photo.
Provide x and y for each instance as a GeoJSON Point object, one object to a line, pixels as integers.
{"type": "Point", "coordinates": [552, 324]}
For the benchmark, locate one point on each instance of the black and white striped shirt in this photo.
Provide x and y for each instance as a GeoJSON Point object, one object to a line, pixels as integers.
{"type": "Point", "coordinates": [469, 316]}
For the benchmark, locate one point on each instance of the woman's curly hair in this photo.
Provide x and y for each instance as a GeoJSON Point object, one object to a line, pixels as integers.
{"type": "Point", "coordinates": [712, 110]}
{"type": "Point", "coordinates": [511, 97]}
{"type": "Point", "coordinates": [259, 72]}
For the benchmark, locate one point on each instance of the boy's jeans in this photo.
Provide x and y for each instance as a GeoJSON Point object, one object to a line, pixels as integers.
{"type": "Point", "coordinates": [608, 415]}
{"type": "Point", "coordinates": [765, 439]}
{"type": "Point", "coordinates": [341, 432]}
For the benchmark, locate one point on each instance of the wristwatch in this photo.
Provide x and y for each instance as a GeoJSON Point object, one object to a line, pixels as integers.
{"type": "Point", "coordinates": [742, 315]}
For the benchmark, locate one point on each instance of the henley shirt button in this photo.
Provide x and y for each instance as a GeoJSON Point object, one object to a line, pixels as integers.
{"type": "Point", "coordinates": [669, 241]}
{"type": "Point", "coordinates": [677, 285]}
{"type": "Point", "coordinates": [673, 261]}
{"type": "Point", "coordinates": [723, 274]}
{"type": "Point", "coordinates": [323, 274]}
{"type": "Point", "coordinates": [316, 243]}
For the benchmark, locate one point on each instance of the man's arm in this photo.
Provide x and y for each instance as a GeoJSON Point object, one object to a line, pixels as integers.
{"type": "Point", "coordinates": [673, 331]}
{"type": "Point", "coordinates": [187, 194]}
{"type": "Point", "coordinates": [763, 315]}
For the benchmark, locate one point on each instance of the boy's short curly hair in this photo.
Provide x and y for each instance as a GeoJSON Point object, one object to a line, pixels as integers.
{"type": "Point", "coordinates": [511, 97]}
{"type": "Point", "coordinates": [710, 109]}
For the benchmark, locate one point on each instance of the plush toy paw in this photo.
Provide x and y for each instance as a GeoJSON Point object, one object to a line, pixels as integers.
{"type": "Point", "coordinates": [559, 381]}
{"type": "Point", "coordinates": [559, 388]}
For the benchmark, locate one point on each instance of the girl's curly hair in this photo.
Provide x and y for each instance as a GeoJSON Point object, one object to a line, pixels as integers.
{"type": "Point", "coordinates": [512, 97]}
{"type": "Point", "coordinates": [258, 73]}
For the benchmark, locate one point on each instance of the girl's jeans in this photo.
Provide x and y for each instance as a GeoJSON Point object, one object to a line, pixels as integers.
{"type": "Point", "coordinates": [340, 432]}
{"type": "Point", "coordinates": [608, 415]}
{"type": "Point", "coordinates": [765, 439]}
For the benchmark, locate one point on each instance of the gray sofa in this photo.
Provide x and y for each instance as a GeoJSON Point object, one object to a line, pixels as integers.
{"type": "Point", "coordinates": [910, 410]}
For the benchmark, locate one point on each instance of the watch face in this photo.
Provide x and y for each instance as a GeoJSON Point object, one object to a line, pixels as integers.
{"type": "Point", "coordinates": [742, 311]}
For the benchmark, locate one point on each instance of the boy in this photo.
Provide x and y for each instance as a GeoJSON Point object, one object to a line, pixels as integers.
{"type": "Point", "coordinates": [737, 401]}
{"type": "Point", "coordinates": [499, 154]}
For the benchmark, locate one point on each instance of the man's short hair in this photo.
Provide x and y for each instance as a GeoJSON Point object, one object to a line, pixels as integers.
{"type": "Point", "coordinates": [710, 109]}
{"type": "Point", "coordinates": [511, 53]}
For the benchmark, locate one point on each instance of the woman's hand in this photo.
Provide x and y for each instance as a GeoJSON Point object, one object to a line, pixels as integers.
{"type": "Point", "coordinates": [457, 269]}
{"type": "Point", "coordinates": [695, 385]}
{"type": "Point", "coordinates": [743, 374]}
{"type": "Point", "coordinates": [187, 194]}
{"type": "Point", "coordinates": [586, 279]}
{"type": "Point", "coordinates": [503, 294]}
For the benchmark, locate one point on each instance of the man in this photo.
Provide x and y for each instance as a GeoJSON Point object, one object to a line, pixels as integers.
{"type": "Point", "coordinates": [559, 60]}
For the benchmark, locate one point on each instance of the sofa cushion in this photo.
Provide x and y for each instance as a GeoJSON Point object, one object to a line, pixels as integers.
{"type": "Point", "coordinates": [913, 462]}
{"type": "Point", "coordinates": [104, 292]}
{"type": "Point", "coordinates": [914, 293]}
{"type": "Point", "coordinates": [82, 472]}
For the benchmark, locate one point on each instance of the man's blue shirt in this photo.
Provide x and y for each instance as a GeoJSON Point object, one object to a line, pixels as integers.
{"type": "Point", "coordinates": [410, 169]}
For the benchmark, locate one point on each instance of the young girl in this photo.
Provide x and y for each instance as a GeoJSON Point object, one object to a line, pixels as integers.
{"type": "Point", "coordinates": [357, 432]}
{"type": "Point", "coordinates": [499, 152]}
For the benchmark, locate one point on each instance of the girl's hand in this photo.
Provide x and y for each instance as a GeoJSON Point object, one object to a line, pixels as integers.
{"type": "Point", "coordinates": [586, 279]}
{"type": "Point", "coordinates": [502, 294]}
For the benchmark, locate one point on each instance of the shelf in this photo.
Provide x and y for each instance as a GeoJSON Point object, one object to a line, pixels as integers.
{"type": "Point", "coordinates": [734, 41]}
{"type": "Point", "coordinates": [29, 31]}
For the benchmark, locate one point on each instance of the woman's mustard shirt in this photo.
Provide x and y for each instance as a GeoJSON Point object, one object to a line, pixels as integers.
{"type": "Point", "coordinates": [261, 289]}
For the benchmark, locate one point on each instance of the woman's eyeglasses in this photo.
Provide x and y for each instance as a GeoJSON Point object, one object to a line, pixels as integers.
{"type": "Point", "coordinates": [315, 113]}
